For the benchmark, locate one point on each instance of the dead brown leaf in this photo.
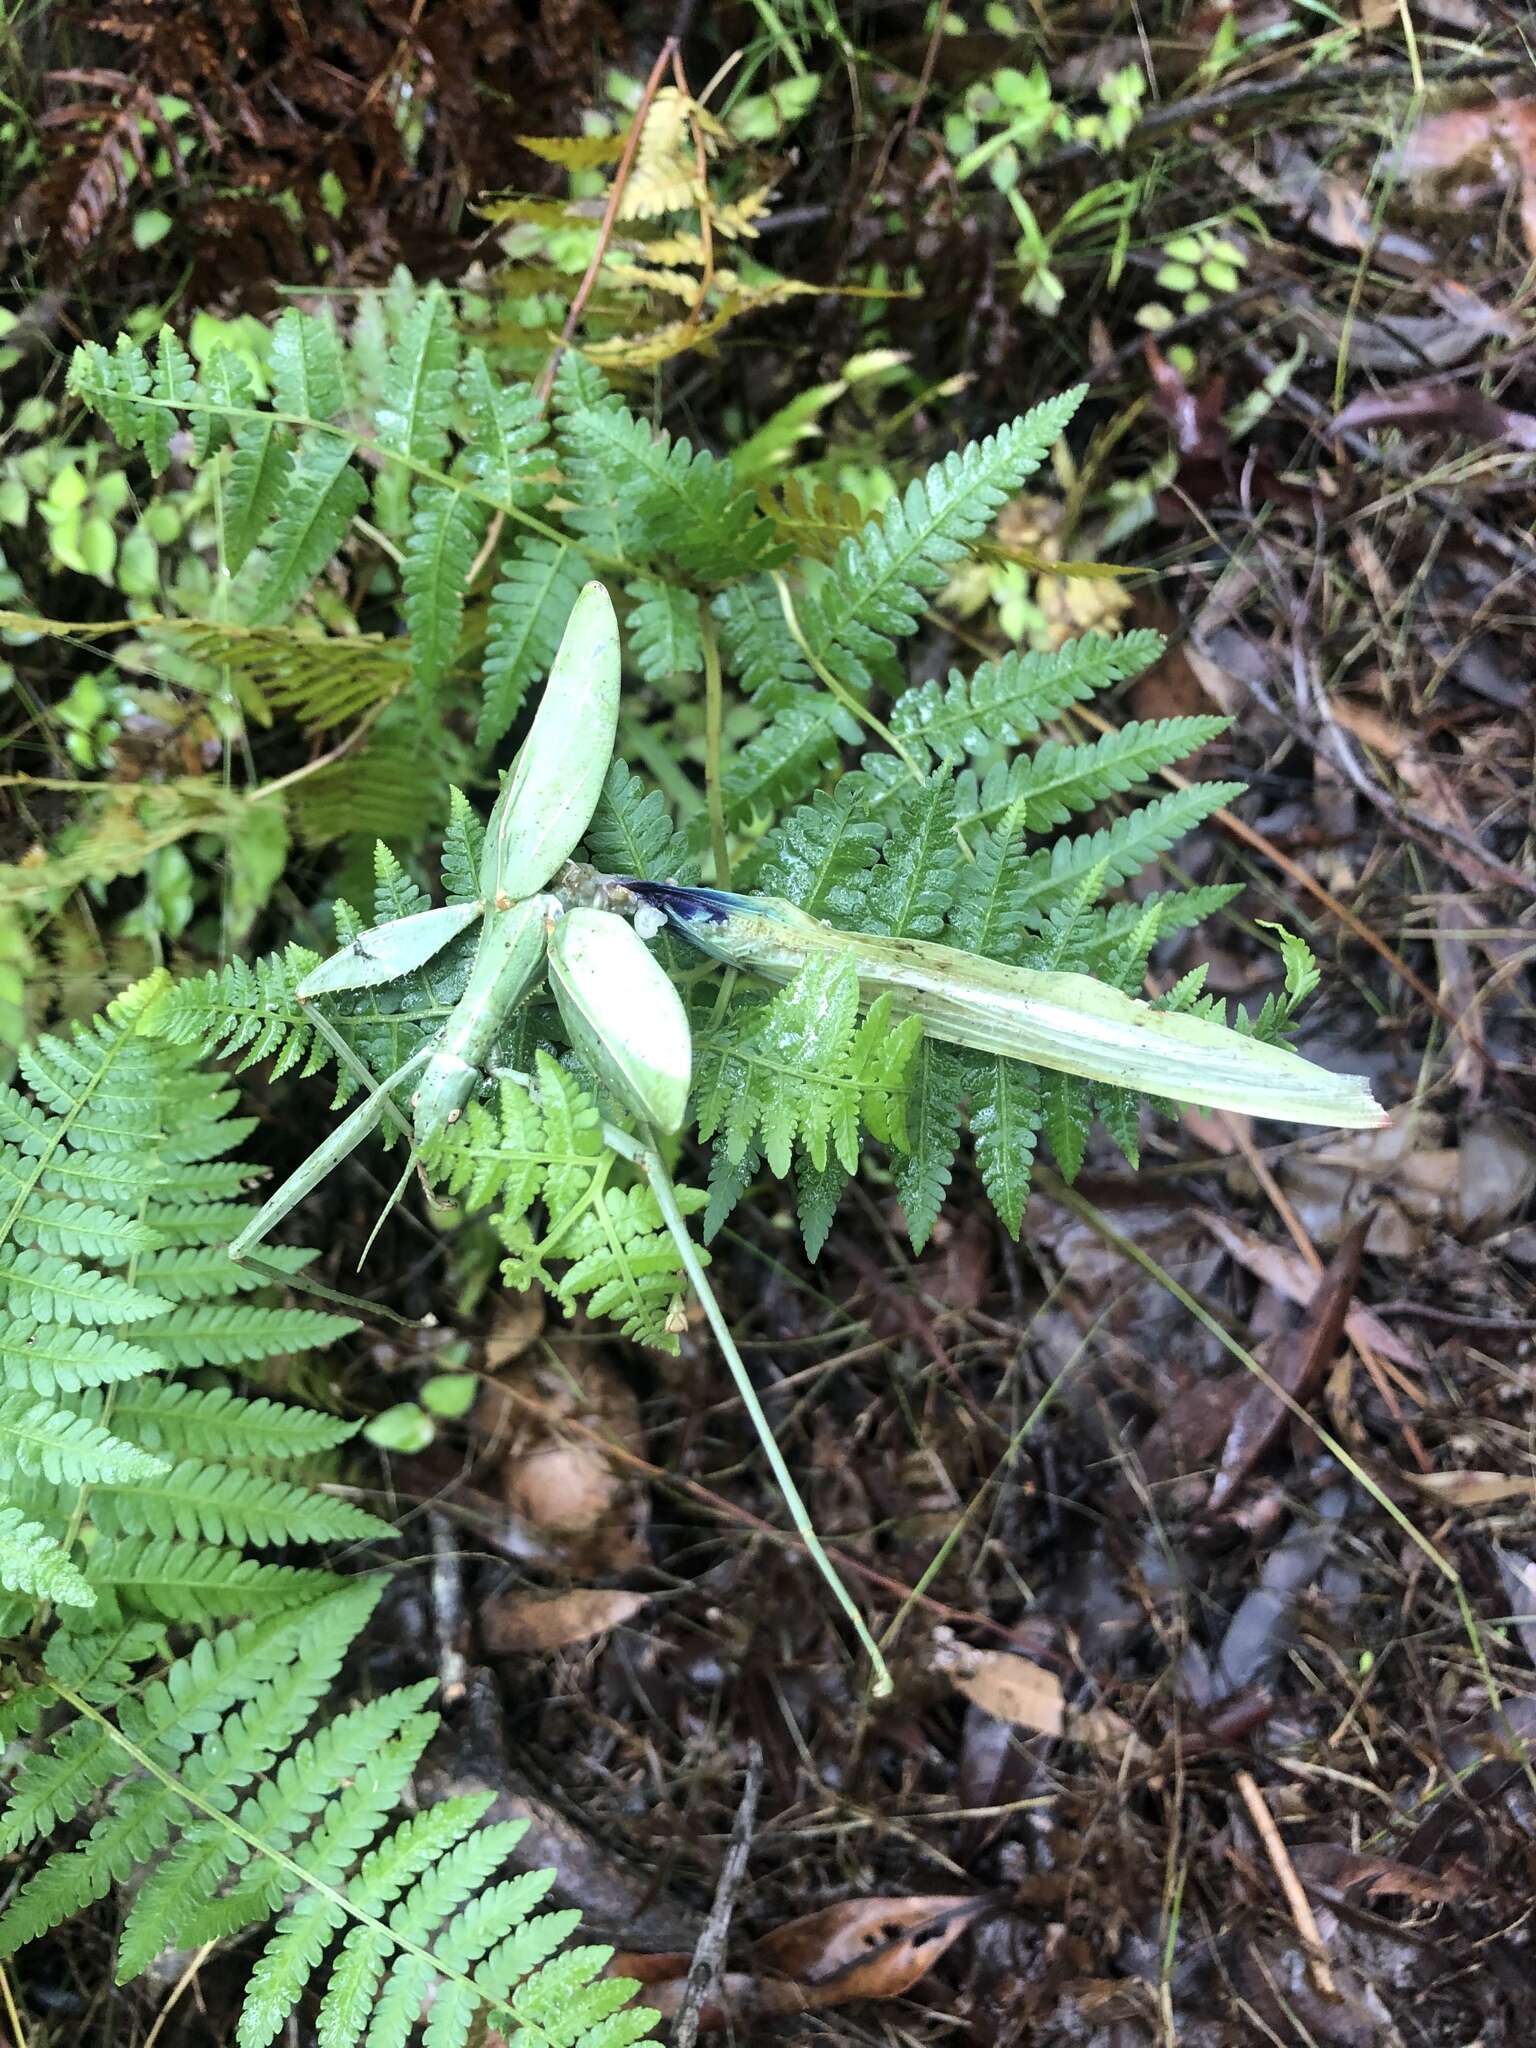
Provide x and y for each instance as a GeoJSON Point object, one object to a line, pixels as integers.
{"type": "Point", "coordinates": [1474, 1489]}
{"type": "Point", "coordinates": [1496, 1173]}
{"type": "Point", "coordinates": [523, 1621]}
{"type": "Point", "coordinates": [552, 1418]}
{"type": "Point", "coordinates": [1299, 1365]}
{"type": "Point", "coordinates": [1424, 406]}
{"type": "Point", "coordinates": [1331, 1868]}
{"type": "Point", "coordinates": [1287, 1272]}
{"type": "Point", "coordinates": [1008, 1687]}
{"type": "Point", "coordinates": [1495, 143]}
{"type": "Point", "coordinates": [861, 1948]}
{"type": "Point", "coordinates": [1208, 469]}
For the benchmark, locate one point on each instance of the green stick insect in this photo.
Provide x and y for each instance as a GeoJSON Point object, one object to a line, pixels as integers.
{"type": "Point", "coordinates": [543, 917]}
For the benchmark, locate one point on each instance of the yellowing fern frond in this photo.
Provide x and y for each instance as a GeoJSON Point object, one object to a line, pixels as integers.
{"type": "Point", "coordinates": [576, 152]}
{"type": "Point", "coordinates": [666, 176]}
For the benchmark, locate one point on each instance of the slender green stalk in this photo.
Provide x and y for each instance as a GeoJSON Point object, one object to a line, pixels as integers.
{"type": "Point", "coordinates": [650, 1162]}
{"type": "Point", "coordinates": [714, 732]}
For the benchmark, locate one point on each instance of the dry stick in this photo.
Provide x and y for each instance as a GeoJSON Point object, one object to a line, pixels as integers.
{"type": "Point", "coordinates": [1375, 1366]}
{"type": "Point", "coordinates": [1295, 1896]}
{"type": "Point", "coordinates": [709, 1950]}
{"type": "Point", "coordinates": [10, 2006]}
{"type": "Point", "coordinates": [610, 214]}
{"type": "Point", "coordinates": [187, 1977]}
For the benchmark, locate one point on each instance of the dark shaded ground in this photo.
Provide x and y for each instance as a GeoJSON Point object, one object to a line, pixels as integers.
{"type": "Point", "coordinates": [1038, 1459]}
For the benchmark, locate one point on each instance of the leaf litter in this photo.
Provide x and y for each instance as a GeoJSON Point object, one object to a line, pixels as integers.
{"type": "Point", "coordinates": [1117, 1572]}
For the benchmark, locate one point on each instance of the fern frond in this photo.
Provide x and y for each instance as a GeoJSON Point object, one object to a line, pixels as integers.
{"type": "Point", "coordinates": [395, 894]}
{"type": "Point", "coordinates": [141, 1817]}
{"type": "Point", "coordinates": [463, 844]}
{"type": "Point", "coordinates": [31, 1562]}
{"type": "Point", "coordinates": [213, 1422]}
{"type": "Point", "coordinates": [446, 529]}
{"type": "Point", "coordinates": [199, 1582]}
{"type": "Point", "coordinates": [881, 580]}
{"type": "Point", "coordinates": [220, 1504]}
{"type": "Point", "coordinates": [60, 1358]}
{"type": "Point", "coordinates": [205, 1272]}
{"type": "Point", "coordinates": [116, 385]}
{"type": "Point", "coordinates": [1005, 1124]}
{"type": "Point", "coordinates": [249, 1008]}
{"type": "Point", "coordinates": [912, 890]}
{"type": "Point", "coordinates": [1067, 1110]}
{"type": "Point", "coordinates": [322, 494]}
{"type": "Point", "coordinates": [540, 581]}
{"type": "Point", "coordinates": [803, 1073]}
{"type": "Point", "coordinates": [664, 632]}
{"type": "Point", "coordinates": [417, 391]}
{"type": "Point", "coordinates": [420, 1844]}
{"type": "Point", "coordinates": [50, 1290]}
{"type": "Point", "coordinates": [40, 1440]}
{"type": "Point", "coordinates": [68, 1228]}
{"type": "Point", "coordinates": [260, 468]}
{"type": "Point", "coordinates": [755, 640]}
{"type": "Point", "coordinates": [788, 757]}
{"type": "Point", "coordinates": [1048, 878]}
{"type": "Point", "coordinates": [666, 500]}
{"type": "Point", "coordinates": [820, 855]}
{"type": "Point", "coordinates": [324, 1771]}
{"type": "Point", "coordinates": [228, 1805]}
{"type": "Point", "coordinates": [506, 451]}
{"type": "Point", "coordinates": [1002, 702]}
{"type": "Point", "coordinates": [550, 1150]}
{"type": "Point", "coordinates": [632, 831]}
{"type": "Point", "coordinates": [1057, 780]}
{"type": "Point", "coordinates": [165, 1718]}
{"type": "Point", "coordinates": [324, 679]}
{"type": "Point", "coordinates": [308, 372]}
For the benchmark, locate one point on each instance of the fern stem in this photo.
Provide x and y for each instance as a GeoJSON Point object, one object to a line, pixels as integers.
{"type": "Point", "coordinates": [17, 2030]}
{"type": "Point", "coordinates": [625, 165]}
{"type": "Point", "coordinates": [650, 1162]}
{"type": "Point", "coordinates": [844, 696]}
{"type": "Point", "coordinates": [714, 731]}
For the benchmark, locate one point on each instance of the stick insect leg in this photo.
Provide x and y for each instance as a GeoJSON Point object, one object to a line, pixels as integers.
{"type": "Point", "coordinates": [651, 1164]}
{"type": "Point", "coordinates": [400, 1187]}
{"type": "Point", "coordinates": [346, 1138]}
{"type": "Point", "coordinates": [347, 1058]}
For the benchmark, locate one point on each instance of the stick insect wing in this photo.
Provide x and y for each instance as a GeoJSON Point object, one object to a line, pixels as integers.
{"type": "Point", "coordinates": [558, 776]}
{"type": "Point", "coordinates": [623, 1015]}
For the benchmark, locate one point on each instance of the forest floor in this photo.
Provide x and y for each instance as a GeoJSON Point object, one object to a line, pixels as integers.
{"type": "Point", "coordinates": [1210, 1714]}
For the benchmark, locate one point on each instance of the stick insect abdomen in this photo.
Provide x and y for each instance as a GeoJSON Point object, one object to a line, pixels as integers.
{"type": "Point", "coordinates": [506, 964]}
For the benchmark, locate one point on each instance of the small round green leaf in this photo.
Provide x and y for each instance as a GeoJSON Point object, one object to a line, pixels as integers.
{"type": "Point", "coordinates": [405, 1428]}
{"type": "Point", "coordinates": [450, 1394]}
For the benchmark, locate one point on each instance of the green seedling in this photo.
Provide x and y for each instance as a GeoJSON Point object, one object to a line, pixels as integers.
{"type": "Point", "coordinates": [542, 917]}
